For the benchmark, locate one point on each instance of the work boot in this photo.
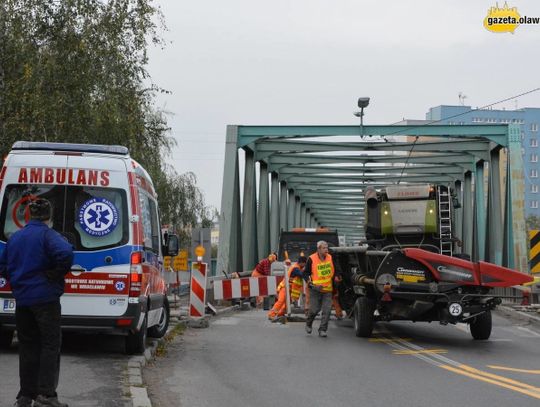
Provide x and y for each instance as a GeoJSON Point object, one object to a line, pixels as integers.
{"type": "Point", "coordinates": [23, 401]}
{"type": "Point", "coordinates": [308, 329]}
{"type": "Point", "coordinates": [44, 401]}
{"type": "Point", "coordinates": [322, 334]}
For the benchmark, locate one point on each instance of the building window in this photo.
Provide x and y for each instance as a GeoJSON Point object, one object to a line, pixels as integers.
{"type": "Point", "coordinates": [534, 189]}
{"type": "Point", "coordinates": [534, 173]}
{"type": "Point", "coordinates": [533, 142]}
{"type": "Point", "coordinates": [534, 126]}
{"type": "Point", "coordinates": [534, 204]}
{"type": "Point", "coordinates": [534, 158]}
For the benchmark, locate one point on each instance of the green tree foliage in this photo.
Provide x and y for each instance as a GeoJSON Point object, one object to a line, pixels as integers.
{"type": "Point", "coordinates": [75, 71]}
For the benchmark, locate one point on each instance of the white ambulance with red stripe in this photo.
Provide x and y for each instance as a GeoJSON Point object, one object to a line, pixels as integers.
{"type": "Point", "coordinates": [105, 204]}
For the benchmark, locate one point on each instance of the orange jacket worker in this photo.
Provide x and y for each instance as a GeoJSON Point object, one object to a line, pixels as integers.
{"type": "Point", "coordinates": [296, 286]}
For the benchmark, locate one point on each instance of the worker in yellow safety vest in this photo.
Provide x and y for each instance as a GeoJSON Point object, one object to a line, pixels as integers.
{"type": "Point", "coordinates": [296, 284]}
{"type": "Point", "coordinates": [320, 274]}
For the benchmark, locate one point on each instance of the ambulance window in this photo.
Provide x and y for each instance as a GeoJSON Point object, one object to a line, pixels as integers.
{"type": "Point", "coordinates": [99, 216]}
{"type": "Point", "coordinates": [15, 213]}
{"type": "Point", "coordinates": [89, 217]}
{"type": "Point", "coordinates": [149, 221]}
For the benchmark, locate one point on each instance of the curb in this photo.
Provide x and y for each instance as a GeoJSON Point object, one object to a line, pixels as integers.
{"type": "Point", "coordinates": [135, 365]}
{"type": "Point", "coordinates": [529, 317]}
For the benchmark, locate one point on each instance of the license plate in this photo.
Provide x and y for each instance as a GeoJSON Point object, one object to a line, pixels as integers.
{"type": "Point", "coordinates": [9, 305]}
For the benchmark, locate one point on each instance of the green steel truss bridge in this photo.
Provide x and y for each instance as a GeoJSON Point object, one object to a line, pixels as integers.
{"type": "Point", "coordinates": [314, 176]}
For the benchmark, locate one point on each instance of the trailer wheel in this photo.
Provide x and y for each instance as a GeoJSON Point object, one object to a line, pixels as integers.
{"type": "Point", "coordinates": [6, 337]}
{"type": "Point", "coordinates": [481, 326]}
{"type": "Point", "coordinates": [363, 317]}
{"type": "Point", "coordinates": [159, 330]}
{"type": "Point", "coordinates": [136, 341]}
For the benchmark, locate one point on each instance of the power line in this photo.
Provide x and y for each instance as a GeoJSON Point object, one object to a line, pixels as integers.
{"type": "Point", "coordinates": [454, 116]}
{"type": "Point", "coordinates": [464, 113]}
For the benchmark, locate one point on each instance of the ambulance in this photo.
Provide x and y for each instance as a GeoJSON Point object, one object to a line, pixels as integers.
{"type": "Point", "coordinates": [104, 203]}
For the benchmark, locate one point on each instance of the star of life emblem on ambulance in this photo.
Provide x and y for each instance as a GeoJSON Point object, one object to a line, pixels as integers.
{"type": "Point", "coordinates": [3, 282]}
{"type": "Point", "coordinates": [98, 217]}
{"type": "Point", "coordinates": [120, 285]}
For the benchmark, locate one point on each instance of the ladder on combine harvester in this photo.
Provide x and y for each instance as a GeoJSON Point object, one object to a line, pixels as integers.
{"type": "Point", "coordinates": [444, 201]}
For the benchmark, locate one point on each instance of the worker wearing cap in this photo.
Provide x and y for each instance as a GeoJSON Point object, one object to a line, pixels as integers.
{"type": "Point", "coordinates": [262, 269]}
{"type": "Point", "coordinates": [320, 275]}
{"type": "Point", "coordinates": [295, 289]}
{"type": "Point", "coordinates": [35, 261]}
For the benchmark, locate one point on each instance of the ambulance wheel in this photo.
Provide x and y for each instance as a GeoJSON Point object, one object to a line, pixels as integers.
{"type": "Point", "coordinates": [481, 326]}
{"type": "Point", "coordinates": [363, 317]}
{"type": "Point", "coordinates": [159, 330]}
{"type": "Point", "coordinates": [136, 341]}
{"type": "Point", "coordinates": [6, 337]}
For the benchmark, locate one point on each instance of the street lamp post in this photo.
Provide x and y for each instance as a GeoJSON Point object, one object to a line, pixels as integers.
{"type": "Point", "coordinates": [362, 103]}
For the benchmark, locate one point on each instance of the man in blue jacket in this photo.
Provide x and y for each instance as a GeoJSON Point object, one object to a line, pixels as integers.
{"type": "Point", "coordinates": [35, 261]}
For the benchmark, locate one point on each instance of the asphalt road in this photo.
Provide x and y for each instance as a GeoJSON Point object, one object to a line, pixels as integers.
{"type": "Point", "coordinates": [92, 372]}
{"type": "Point", "coordinates": [244, 360]}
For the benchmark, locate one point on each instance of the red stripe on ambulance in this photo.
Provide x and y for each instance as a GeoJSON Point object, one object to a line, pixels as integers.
{"type": "Point", "coordinates": [97, 283]}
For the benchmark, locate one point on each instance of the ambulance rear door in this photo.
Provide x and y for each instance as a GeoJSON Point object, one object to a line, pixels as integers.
{"type": "Point", "coordinates": [96, 216]}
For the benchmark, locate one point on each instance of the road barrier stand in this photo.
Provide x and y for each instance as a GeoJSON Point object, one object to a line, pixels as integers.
{"type": "Point", "coordinates": [246, 287]}
{"type": "Point", "coordinates": [197, 296]}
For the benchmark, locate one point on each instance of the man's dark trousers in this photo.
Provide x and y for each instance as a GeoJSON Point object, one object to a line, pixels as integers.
{"type": "Point", "coordinates": [317, 301]}
{"type": "Point", "coordinates": [40, 338]}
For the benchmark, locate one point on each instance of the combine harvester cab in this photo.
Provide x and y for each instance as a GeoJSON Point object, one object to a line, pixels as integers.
{"type": "Point", "coordinates": [408, 269]}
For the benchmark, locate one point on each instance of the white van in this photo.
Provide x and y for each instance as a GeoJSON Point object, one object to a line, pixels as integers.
{"type": "Point", "coordinates": [104, 203]}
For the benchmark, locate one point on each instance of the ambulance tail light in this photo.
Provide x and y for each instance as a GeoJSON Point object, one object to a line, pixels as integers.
{"type": "Point", "coordinates": [124, 322]}
{"type": "Point", "coordinates": [135, 274]}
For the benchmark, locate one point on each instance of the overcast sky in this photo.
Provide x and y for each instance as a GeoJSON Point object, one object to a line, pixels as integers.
{"type": "Point", "coordinates": [307, 62]}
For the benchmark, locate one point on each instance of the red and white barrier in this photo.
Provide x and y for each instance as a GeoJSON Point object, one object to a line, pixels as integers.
{"type": "Point", "coordinates": [246, 287]}
{"type": "Point", "coordinates": [197, 295]}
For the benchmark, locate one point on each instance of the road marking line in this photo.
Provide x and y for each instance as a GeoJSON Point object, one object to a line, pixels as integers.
{"type": "Point", "coordinates": [386, 340]}
{"type": "Point", "coordinates": [416, 352]}
{"type": "Point", "coordinates": [461, 327]}
{"type": "Point", "coordinates": [497, 377]}
{"type": "Point", "coordinates": [464, 370]}
{"type": "Point", "coordinates": [534, 394]}
{"type": "Point", "coordinates": [529, 331]}
{"type": "Point", "coordinates": [512, 369]}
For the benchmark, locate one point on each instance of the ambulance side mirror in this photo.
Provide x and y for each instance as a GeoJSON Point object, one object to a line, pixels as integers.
{"type": "Point", "coordinates": [172, 247]}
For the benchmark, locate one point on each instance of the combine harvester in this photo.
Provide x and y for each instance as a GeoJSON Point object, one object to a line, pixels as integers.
{"type": "Point", "coordinates": [407, 268]}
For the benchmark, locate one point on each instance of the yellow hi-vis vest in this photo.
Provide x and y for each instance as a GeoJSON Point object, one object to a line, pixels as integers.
{"type": "Point", "coordinates": [296, 284]}
{"type": "Point", "coordinates": [322, 272]}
